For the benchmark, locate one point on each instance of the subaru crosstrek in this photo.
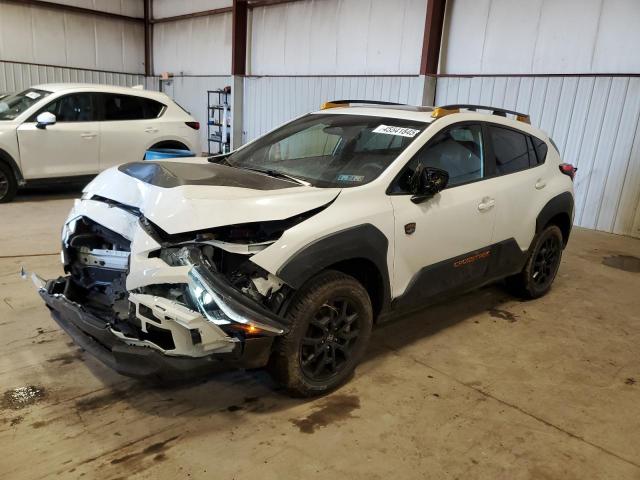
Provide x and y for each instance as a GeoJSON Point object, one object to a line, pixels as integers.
{"type": "Point", "coordinates": [284, 253]}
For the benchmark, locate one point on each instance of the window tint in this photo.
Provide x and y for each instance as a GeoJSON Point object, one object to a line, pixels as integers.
{"type": "Point", "coordinates": [541, 150]}
{"type": "Point", "coordinates": [511, 150]}
{"type": "Point", "coordinates": [128, 107]}
{"type": "Point", "coordinates": [77, 107]}
{"type": "Point", "coordinates": [458, 150]}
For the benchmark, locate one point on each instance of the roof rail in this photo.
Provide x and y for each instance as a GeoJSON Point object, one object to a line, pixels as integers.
{"type": "Point", "coordinates": [501, 112]}
{"type": "Point", "coordinates": [341, 103]}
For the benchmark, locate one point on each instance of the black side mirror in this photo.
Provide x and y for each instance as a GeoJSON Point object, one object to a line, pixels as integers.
{"type": "Point", "coordinates": [426, 182]}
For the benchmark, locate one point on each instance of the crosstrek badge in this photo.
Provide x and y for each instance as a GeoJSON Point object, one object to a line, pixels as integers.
{"type": "Point", "coordinates": [390, 130]}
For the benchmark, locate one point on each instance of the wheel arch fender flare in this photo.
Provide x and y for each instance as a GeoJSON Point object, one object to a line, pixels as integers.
{"type": "Point", "coordinates": [359, 242]}
{"type": "Point", "coordinates": [559, 205]}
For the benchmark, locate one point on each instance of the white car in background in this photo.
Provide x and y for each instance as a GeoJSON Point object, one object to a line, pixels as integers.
{"type": "Point", "coordinates": [67, 131]}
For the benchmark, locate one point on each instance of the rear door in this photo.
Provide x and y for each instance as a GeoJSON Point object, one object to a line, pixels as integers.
{"type": "Point", "coordinates": [130, 125]}
{"type": "Point", "coordinates": [521, 183]}
{"type": "Point", "coordinates": [70, 147]}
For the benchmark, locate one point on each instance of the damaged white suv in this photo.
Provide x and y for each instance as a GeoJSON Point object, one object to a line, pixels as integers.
{"type": "Point", "coordinates": [285, 252]}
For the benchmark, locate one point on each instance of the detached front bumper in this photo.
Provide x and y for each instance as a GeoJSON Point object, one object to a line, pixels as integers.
{"type": "Point", "coordinates": [95, 336]}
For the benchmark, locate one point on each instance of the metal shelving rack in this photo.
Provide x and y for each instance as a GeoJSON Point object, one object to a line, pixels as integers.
{"type": "Point", "coordinates": [219, 120]}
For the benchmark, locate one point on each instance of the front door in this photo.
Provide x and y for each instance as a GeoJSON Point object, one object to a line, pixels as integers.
{"type": "Point", "coordinates": [443, 244]}
{"type": "Point", "coordinates": [70, 147]}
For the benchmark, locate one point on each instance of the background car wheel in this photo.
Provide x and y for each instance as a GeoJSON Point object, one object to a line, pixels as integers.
{"type": "Point", "coordinates": [331, 320]}
{"type": "Point", "coordinates": [540, 270]}
{"type": "Point", "coordinates": [8, 184]}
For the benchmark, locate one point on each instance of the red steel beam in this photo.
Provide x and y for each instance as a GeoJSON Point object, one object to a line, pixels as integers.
{"type": "Point", "coordinates": [239, 38]}
{"type": "Point", "coordinates": [431, 44]}
{"type": "Point", "coordinates": [148, 38]}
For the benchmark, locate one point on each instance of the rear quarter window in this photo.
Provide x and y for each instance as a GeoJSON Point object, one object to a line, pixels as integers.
{"type": "Point", "coordinates": [511, 149]}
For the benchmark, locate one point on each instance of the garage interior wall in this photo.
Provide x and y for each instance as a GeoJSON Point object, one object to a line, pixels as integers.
{"type": "Point", "coordinates": [44, 45]}
{"type": "Point", "coordinates": [307, 52]}
{"type": "Point", "coordinates": [197, 51]}
{"type": "Point", "coordinates": [568, 64]}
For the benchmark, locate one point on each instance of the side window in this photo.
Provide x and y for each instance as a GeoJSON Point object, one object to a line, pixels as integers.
{"type": "Point", "coordinates": [541, 150]}
{"type": "Point", "coordinates": [511, 150]}
{"type": "Point", "coordinates": [77, 107]}
{"type": "Point", "coordinates": [129, 107]}
{"type": "Point", "coordinates": [458, 150]}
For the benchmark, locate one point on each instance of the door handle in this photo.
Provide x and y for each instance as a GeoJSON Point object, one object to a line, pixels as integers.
{"type": "Point", "coordinates": [486, 204]}
{"type": "Point", "coordinates": [151, 130]}
{"type": "Point", "coordinates": [540, 184]}
{"type": "Point", "coordinates": [88, 135]}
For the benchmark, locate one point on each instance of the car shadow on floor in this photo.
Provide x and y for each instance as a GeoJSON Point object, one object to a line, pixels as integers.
{"type": "Point", "coordinates": [253, 392]}
{"type": "Point", "coordinates": [49, 192]}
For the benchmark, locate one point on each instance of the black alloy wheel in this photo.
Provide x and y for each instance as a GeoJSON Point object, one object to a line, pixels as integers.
{"type": "Point", "coordinates": [329, 340]}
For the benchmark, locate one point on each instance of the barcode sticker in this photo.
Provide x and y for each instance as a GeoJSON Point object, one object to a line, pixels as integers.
{"type": "Point", "coordinates": [33, 95]}
{"type": "Point", "coordinates": [401, 131]}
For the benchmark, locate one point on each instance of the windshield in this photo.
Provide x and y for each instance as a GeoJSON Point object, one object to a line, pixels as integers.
{"type": "Point", "coordinates": [330, 150]}
{"type": "Point", "coordinates": [14, 105]}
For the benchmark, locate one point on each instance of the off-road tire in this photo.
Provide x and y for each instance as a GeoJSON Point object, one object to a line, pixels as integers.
{"type": "Point", "coordinates": [8, 183]}
{"type": "Point", "coordinates": [318, 298]}
{"type": "Point", "coordinates": [544, 261]}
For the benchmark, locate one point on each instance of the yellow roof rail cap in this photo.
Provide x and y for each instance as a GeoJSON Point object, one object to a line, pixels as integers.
{"type": "Point", "coordinates": [439, 112]}
{"type": "Point", "coordinates": [327, 105]}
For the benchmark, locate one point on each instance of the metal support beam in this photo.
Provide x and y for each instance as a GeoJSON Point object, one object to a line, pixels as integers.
{"type": "Point", "coordinates": [239, 38]}
{"type": "Point", "coordinates": [433, 27]}
{"type": "Point", "coordinates": [148, 38]}
{"type": "Point", "coordinates": [70, 8]}
{"type": "Point", "coordinates": [187, 16]}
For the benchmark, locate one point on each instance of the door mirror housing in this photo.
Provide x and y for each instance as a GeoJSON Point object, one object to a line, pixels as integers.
{"type": "Point", "coordinates": [426, 182]}
{"type": "Point", "coordinates": [44, 119]}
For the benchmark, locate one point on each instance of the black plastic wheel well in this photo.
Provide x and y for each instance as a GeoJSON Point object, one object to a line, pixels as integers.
{"type": "Point", "coordinates": [365, 272]}
{"type": "Point", "coordinates": [170, 144]}
{"type": "Point", "coordinates": [563, 222]}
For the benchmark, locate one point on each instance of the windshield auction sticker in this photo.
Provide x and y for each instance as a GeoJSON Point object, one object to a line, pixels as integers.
{"type": "Point", "coordinates": [403, 132]}
{"type": "Point", "coordinates": [33, 95]}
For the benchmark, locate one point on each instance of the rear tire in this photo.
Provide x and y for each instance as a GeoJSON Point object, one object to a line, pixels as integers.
{"type": "Point", "coordinates": [8, 183]}
{"type": "Point", "coordinates": [331, 320]}
{"type": "Point", "coordinates": [539, 272]}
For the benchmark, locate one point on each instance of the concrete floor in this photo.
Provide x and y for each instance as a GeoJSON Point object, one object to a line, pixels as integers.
{"type": "Point", "coordinates": [483, 386]}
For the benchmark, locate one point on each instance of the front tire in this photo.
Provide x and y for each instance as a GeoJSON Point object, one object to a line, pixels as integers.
{"type": "Point", "coordinates": [8, 184]}
{"type": "Point", "coordinates": [542, 265]}
{"type": "Point", "coordinates": [331, 320]}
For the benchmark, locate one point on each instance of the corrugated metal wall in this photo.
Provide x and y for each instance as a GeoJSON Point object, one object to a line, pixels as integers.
{"type": "Point", "coordinates": [271, 101]}
{"type": "Point", "coordinates": [18, 76]}
{"type": "Point", "coordinates": [594, 122]}
{"type": "Point", "coordinates": [537, 36]}
{"type": "Point", "coordinates": [191, 94]}
{"type": "Point", "coordinates": [338, 37]}
{"type": "Point", "coordinates": [42, 35]}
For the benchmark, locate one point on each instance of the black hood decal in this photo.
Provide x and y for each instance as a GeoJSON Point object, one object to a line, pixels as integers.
{"type": "Point", "coordinates": [175, 174]}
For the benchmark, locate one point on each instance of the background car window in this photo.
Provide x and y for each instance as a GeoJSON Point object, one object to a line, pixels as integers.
{"type": "Point", "coordinates": [541, 150]}
{"type": "Point", "coordinates": [511, 150]}
{"type": "Point", "coordinates": [77, 107]}
{"type": "Point", "coordinates": [129, 107]}
{"type": "Point", "coordinates": [458, 150]}
{"type": "Point", "coordinates": [13, 105]}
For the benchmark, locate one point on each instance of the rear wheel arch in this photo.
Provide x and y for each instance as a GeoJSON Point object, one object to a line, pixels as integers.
{"type": "Point", "coordinates": [557, 211]}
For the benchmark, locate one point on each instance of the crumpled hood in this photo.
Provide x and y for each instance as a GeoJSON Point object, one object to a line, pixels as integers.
{"type": "Point", "coordinates": [193, 194]}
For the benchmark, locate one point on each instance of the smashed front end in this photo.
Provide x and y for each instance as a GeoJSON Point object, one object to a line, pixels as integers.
{"type": "Point", "coordinates": [150, 304]}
